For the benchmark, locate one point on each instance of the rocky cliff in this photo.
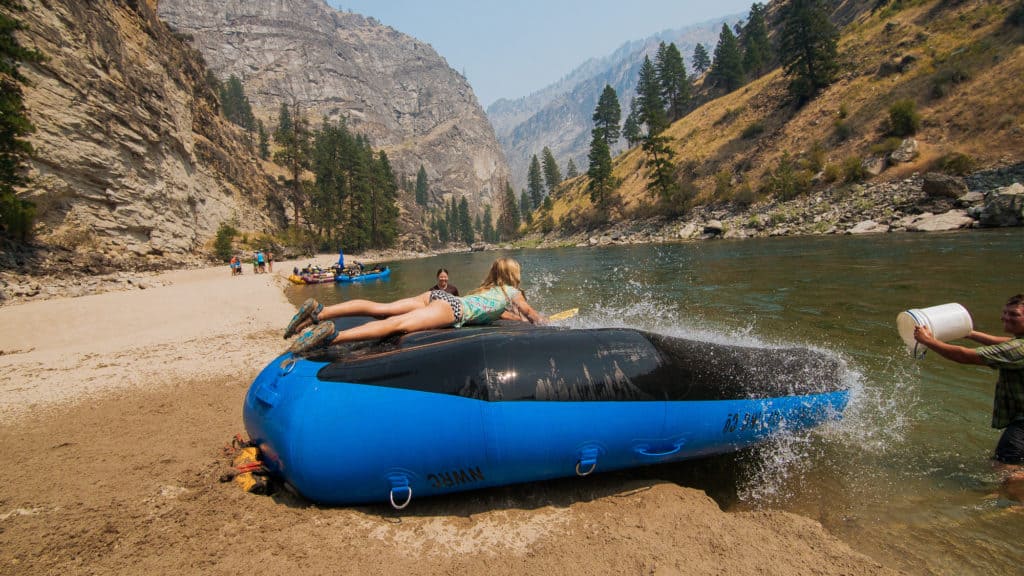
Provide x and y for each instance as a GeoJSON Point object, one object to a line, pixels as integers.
{"type": "Point", "coordinates": [133, 166]}
{"type": "Point", "coordinates": [389, 86]}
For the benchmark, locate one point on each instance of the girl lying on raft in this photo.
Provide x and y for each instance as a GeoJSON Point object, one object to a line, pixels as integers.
{"type": "Point", "coordinates": [498, 297]}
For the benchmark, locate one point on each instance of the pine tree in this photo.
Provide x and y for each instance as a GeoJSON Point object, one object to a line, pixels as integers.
{"type": "Point", "coordinates": [383, 204]}
{"type": "Point", "coordinates": [292, 135]}
{"type": "Point", "coordinates": [488, 231]}
{"type": "Point", "coordinates": [727, 69]}
{"type": "Point", "coordinates": [756, 46]}
{"type": "Point", "coordinates": [235, 104]}
{"type": "Point", "coordinates": [600, 171]}
{"type": "Point", "coordinates": [17, 215]}
{"type": "Point", "coordinates": [264, 140]}
{"type": "Point", "coordinates": [535, 182]}
{"type": "Point", "coordinates": [660, 163]}
{"type": "Point", "coordinates": [631, 129]}
{"type": "Point", "coordinates": [701, 60]}
{"type": "Point", "coordinates": [465, 224]}
{"type": "Point", "coordinates": [650, 107]}
{"type": "Point", "coordinates": [552, 175]}
{"type": "Point", "coordinates": [421, 186]}
{"type": "Point", "coordinates": [675, 86]}
{"type": "Point", "coordinates": [526, 207]}
{"type": "Point", "coordinates": [607, 116]}
{"type": "Point", "coordinates": [807, 47]}
{"type": "Point", "coordinates": [508, 222]}
{"type": "Point", "coordinates": [570, 169]}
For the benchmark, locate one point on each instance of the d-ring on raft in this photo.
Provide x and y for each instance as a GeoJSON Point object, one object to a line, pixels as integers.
{"type": "Point", "coordinates": [442, 411]}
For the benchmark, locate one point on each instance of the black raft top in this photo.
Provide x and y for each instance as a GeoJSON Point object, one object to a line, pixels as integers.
{"type": "Point", "coordinates": [515, 361]}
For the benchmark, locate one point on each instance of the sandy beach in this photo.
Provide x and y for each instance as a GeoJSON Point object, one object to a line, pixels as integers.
{"type": "Point", "coordinates": [116, 407]}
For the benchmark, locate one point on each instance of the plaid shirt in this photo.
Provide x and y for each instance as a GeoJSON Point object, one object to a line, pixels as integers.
{"type": "Point", "coordinates": [1008, 357]}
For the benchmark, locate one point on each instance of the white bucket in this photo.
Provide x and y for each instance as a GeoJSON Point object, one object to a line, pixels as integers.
{"type": "Point", "coordinates": [946, 322]}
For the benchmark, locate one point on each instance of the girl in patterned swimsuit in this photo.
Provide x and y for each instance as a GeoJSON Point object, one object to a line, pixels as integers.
{"type": "Point", "coordinates": [498, 297]}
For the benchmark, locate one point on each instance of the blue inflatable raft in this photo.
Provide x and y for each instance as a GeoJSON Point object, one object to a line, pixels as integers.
{"type": "Point", "coordinates": [447, 410]}
{"type": "Point", "coordinates": [347, 276]}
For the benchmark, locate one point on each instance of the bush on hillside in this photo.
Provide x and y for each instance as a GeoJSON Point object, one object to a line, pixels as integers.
{"type": "Point", "coordinates": [787, 180]}
{"type": "Point", "coordinates": [744, 195]}
{"type": "Point", "coordinates": [853, 169]}
{"type": "Point", "coordinates": [222, 244]}
{"type": "Point", "coordinates": [723, 183]}
{"type": "Point", "coordinates": [1016, 16]}
{"type": "Point", "coordinates": [947, 77]}
{"type": "Point", "coordinates": [753, 130]}
{"type": "Point", "coordinates": [886, 146]}
{"type": "Point", "coordinates": [842, 130]}
{"type": "Point", "coordinates": [904, 119]}
{"type": "Point", "coordinates": [956, 163]}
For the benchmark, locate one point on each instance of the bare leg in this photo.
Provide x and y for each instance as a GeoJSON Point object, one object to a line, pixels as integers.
{"type": "Point", "coordinates": [377, 309]}
{"type": "Point", "coordinates": [368, 308]}
{"type": "Point", "coordinates": [436, 314]}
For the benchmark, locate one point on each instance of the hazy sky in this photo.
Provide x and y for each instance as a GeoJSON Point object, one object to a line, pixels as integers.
{"type": "Point", "coordinates": [511, 48]}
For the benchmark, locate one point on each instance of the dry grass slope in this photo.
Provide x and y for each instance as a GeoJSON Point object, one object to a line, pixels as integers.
{"type": "Point", "coordinates": [957, 61]}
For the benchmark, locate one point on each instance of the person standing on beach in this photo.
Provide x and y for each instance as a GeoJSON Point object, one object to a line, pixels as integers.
{"type": "Point", "coordinates": [270, 262]}
{"type": "Point", "coordinates": [1005, 354]}
{"type": "Point", "coordinates": [443, 284]}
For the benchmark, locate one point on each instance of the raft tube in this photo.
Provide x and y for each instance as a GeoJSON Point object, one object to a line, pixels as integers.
{"type": "Point", "coordinates": [442, 411]}
{"type": "Point", "coordinates": [363, 277]}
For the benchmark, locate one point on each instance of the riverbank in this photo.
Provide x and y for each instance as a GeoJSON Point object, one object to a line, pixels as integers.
{"type": "Point", "coordinates": [115, 407]}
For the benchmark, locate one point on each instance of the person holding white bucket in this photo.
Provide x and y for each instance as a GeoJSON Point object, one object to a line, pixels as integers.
{"type": "Point", "coordinates": [1007, 355]}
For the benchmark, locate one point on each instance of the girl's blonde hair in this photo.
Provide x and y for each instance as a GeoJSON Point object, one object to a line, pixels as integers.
{"type": "Point", "coordinates": [504, 272]}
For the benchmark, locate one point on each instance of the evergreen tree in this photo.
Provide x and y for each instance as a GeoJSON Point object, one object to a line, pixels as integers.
{"type": "Point", "coordinates": [807, 47]}
{"type": "Point", "coordinates": [756, 46]}
{"type": "Point", "coordinates": [488, 231]}
{"type": "Point", "coordinates": [650, 107]}
{"type": "Point", "coordinates": [535, 182]}
{"type": "Point", "coordinates": [264, 140]}
{"type": "Point", "coordinates": [421, 186]}
{"type": "Point", "coordinates": [727, 69]}
{"type": "Point", "coordinates": [327, 200]}
{"type": "Point", "coordinates": [17, 215]}
{"type": "Point", "coordinates": [660, 164]}
{"type": "Point", "coordinates": [508, 222]}
{"type": "Point", "coordinates": [570, 169]}
{"type": "Point", "coordinates": [600, 171]}
{"type": "Point", "coordinates": [465, 224]}
{"type": "Point", "coordinates": [675, 86]}
{"type": "Point", "coordinates": [526, 207]}
{"type": "Point", "coordinates": [701, 60]}
{"type": "Point", "coordinates": [292, 135]}
{"type": "Point", "coordinates": [631, 130]}
{"type": "Point", "coordinates": [552, 175]}
{"type": "Point", "coordinates": [384, 204]}
{"type": "Point", "coordinates": [235, 104]}
{"type": "Point", "coordinates": [607, 115]}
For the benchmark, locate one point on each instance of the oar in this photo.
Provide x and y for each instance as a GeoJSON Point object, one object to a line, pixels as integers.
{"type": "Point", "coordinates": [564, 314]}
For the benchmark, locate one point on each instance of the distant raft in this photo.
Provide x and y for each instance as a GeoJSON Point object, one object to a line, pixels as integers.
{"type": "Point", "coordinates": [442, 411]}
{"type": "Point", "coordinates": [350, 275]}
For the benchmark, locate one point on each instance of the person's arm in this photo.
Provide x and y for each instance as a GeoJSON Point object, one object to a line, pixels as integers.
{"type": "Point", "coordinates": [987, 339]}
{"type": "Point", "coordinates": [952, 352]}
{"type": "Point", "coordinates": [526, 311]}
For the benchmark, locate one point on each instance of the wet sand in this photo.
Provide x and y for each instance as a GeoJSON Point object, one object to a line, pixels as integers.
{"type": "Point", "coordinates": [116, 407]}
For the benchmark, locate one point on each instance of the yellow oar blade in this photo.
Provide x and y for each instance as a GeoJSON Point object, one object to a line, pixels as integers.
{"type": "Point", "coordinates": [564, 314]}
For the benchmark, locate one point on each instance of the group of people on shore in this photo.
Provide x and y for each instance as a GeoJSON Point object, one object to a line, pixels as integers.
{"type": "Point", "coordinates": [262, 262]}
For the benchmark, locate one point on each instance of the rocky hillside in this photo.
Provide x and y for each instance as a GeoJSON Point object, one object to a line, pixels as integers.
{"type": "Point", "coordinates": [387, 85]}
{"type": "Point", "coordinates": [133, 166]}
{"type": "Point", "coordinates": [744, 151]}
{"type": "Point", "coordinates": [559, 116]}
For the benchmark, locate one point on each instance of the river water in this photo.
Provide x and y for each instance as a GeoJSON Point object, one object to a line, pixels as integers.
{"type": "Point", "coordinates": [904, 477]}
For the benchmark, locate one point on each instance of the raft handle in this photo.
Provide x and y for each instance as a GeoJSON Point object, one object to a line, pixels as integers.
{"type": "Point", "coordinates": [408, 498]}
{"type": "Point", "coordinates": [587, 457]}
{"type": "Point", "coordinates": [593, 466]}
{"type": "Point", "coordinates": [644, 451]}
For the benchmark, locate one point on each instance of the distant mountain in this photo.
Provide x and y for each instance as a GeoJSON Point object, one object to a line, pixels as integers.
{"type": "Point", "coordinates": [387, 85]}
{"type": "Point", "coordinates": [559, 116]}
